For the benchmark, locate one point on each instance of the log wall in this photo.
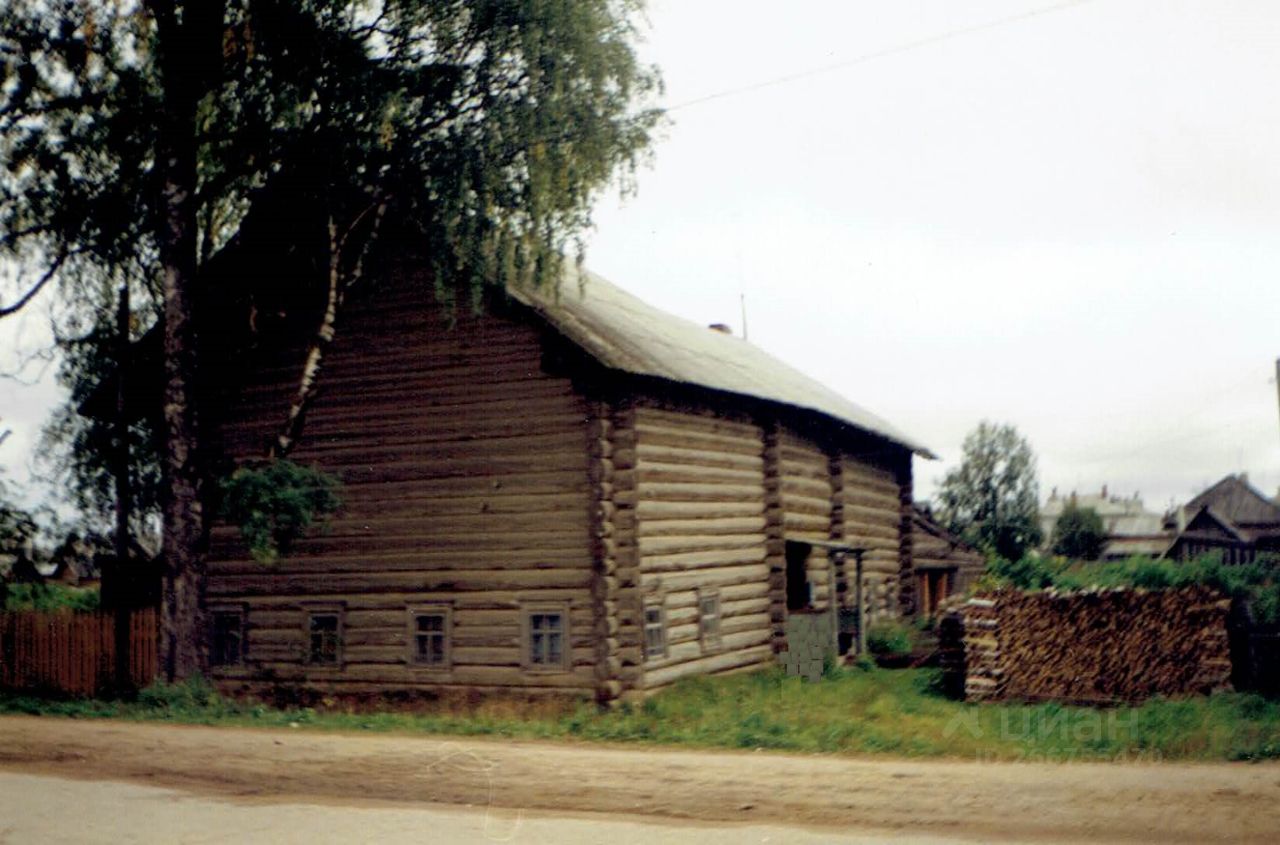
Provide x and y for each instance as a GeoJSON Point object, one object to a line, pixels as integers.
{"type": "Point", "coordinates": [807, 493]}
{"type": "Point", "coordinates": [468, 484]}
{"type": "Point", "coordinates": [700, 523]}
{"type": "Point", "coordinates": [872, 506]}
{"type": "Point", "coordinates": [481, 477]}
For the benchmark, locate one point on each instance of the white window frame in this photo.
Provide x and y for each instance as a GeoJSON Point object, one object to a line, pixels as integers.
{"type": "Point", "coordinates": [657, 648]}
{"type": "Point", "coordinates": [710, 636]}
{"type": "Point", "coordinates": [527, 637]}
{"type": "Point", "coordinates": [446, 634]}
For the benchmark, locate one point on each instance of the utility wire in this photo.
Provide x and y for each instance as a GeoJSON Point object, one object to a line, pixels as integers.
{"type": "Point", "coordinates": [879, 54]}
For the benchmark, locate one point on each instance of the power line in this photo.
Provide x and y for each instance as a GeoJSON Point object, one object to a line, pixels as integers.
{"type": "Point", "coordinates": [879, 54]}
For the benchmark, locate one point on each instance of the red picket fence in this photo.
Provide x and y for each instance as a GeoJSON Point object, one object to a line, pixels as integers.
{"type": "Point", "coordinates": [73, 653]}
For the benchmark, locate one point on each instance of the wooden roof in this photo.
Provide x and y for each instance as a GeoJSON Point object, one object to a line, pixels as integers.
{"type": "Point", "coordinates": [1235, 500]}
{"type": "Point", "coordinates": [624, 333]}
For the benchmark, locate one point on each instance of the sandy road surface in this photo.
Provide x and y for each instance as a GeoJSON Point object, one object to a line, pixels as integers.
{"type": "Point", "coordinates": [34, 808]}
{"type": "Point", "coordinates": [960, 800]}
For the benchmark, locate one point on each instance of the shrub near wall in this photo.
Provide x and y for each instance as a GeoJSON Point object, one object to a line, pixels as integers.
{"type": "Point", "coordinates": [1090, 646]}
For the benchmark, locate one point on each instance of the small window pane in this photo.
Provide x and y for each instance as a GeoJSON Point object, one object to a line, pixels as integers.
{"type": "Point", "coordinates": [227, 648]}
{"type": "Point", "coordinates": [546, 639]}
{"type": "Point", "coordinates": [655, 634]}
{"type": "Point", "coordinates": [325, 639]}
{"type": "Point", "coordinates": [430, 645]}
{"type": "Point", "coordinates": [709, 620]}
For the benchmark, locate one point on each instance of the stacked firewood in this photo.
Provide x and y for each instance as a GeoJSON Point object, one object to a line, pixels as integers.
{"type": "Point", "coordinates": [1094, 645]}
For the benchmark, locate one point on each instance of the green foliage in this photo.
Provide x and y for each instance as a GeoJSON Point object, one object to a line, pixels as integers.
{"type": "Point", "coordinates": [1025, 573]}
{"type": "Point", "coordinates": [1257, 582]}
{"type": "Point", "coordinates": [854, 711]}
{"type": "Point", "coordinates": [182, 699]}
{"type": "Point", "coordinates": [481, 132]}
{"type": "Point", "coordinates": [889, 637]}
{"type": "Point", "coordinates": [50, 597]}
{"type": "Point", "coordinates": [991, 499]}
{"type": "Point", "coordinates": [16, 524]}
{"type": "Point", "coordinates": [1079, 533]}
{"type": "Point", "coordinates": [80, 449]}
{"type": "Point", "coordinates": [274, 504]}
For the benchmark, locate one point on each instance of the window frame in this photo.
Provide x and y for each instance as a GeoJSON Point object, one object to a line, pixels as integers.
{"type": "Point", "coordinates": [710, 640]}
{"type": "Point", "coordinates": [335, 609]}
{"type": "Point", "coordinates": [241, 612]}
{"type": "Point", "coordinates": [527, 612]}
{"type": "Point", "coordinates": [658, 604]}
{"type": "Point", "coordinates": [412, 658]}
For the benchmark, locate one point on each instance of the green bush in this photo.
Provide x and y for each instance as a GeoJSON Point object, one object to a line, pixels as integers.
{"type": "Point", "coordinates": [274, 504]}
{"type": "Point", "coordinates": [887, 638]}
{"type": "Point", "coordinates": [50, 597]}
{"type": "Point", "coordinates": [1027, 573]}
{"type": "Point", "coordinates": [1257, 582]}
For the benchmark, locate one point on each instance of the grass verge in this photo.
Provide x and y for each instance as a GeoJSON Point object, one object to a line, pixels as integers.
{"type": "Point", "coordinates": [854, 711]}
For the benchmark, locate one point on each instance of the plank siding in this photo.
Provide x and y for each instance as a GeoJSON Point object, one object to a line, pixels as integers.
{"type": "Point", "coordinates": [467, 472]}
{"type": "Point", "coordinates": [700, 525]}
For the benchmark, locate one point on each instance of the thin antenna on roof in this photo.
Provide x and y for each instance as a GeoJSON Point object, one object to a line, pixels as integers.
{"type": "Point", "coordinates": [742, 297]}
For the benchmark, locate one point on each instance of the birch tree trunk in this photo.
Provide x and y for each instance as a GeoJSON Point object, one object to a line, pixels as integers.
{"type": "Point", "coordinates": [339, 282]}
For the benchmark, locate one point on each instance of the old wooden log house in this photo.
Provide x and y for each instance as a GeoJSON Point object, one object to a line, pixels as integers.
{"type": "Point", "coordinates": [566, 492]}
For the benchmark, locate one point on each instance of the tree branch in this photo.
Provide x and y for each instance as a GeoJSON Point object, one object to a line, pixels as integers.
{"type": "Point", "coordinates": [5, 311]}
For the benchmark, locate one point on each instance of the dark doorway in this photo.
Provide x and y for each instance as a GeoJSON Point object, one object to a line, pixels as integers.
{"type": "Point", "coordinates": [798, 589]}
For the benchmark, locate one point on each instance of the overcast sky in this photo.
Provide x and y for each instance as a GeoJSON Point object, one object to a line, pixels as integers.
{"type": "Point", "coordinates": [1067, 221]}
{"type": "Point", "coordinates": [1061, 216]}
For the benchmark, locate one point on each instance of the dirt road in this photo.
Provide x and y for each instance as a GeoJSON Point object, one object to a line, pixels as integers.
{"type": "Point", "coordinates": [951, 800]}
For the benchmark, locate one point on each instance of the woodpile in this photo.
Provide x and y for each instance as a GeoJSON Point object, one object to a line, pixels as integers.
{"type": "Point", "coordinates": [1088, 646]}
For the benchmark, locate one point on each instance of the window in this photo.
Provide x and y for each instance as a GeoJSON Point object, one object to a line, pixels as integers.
{"type": "Point", "coordinates": [709, 619]}
{"type": "Point", "coordinates": [429, 634]}
{"type": "Point", "coordinates": [546, 638]}
{"type": "Point", "coordinates": [655, 630]}
{"type": "Point", "coordinates": [324, 636]}
{"type": "Point", "coordinates": [227, 646]}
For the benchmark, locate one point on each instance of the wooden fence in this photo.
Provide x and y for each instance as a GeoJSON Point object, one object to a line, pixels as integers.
{"type": "Point", "coordinates": [74, 653]}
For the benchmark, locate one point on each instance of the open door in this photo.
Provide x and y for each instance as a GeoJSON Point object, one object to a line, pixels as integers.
{"type": "Point", "coordinates": [799, 591]}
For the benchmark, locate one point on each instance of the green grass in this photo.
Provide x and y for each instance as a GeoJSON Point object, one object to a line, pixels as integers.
{"type": "Point", "coordinates": [855, 711]}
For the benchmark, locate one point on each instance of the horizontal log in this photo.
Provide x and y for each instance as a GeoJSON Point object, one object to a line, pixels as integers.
{"type": "Point", "coordinates": [404, 582]}
{"type": "Point", "coordinates": [742, 526]}
{"type": "Point", "coordinates": [755, 652]}
{"type": "Point", "coordinates": [656, 453]}
{"type": "Point", "coordinates": [577, 598]}
{"type": "Point", "coordinates": [658, 547]}
{"type": "Point", "coordinates": [696, 560]}
{"type": "Point", "coordinates": [691, 492]}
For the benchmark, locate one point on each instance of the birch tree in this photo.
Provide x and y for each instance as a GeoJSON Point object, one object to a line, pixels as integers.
{"type": "Point", "coordinates": [136, 137]}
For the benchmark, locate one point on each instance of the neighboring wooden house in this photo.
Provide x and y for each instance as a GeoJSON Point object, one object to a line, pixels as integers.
{"type": "Point", "coordinates": [1231, 518]}
{"type": "Point", "coordinates": [943, 564]}
{"type": "Point", "coordinates": [574, 493]}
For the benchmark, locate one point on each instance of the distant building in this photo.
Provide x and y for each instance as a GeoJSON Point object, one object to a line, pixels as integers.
{"type": "Point", "coordinates": [1230, 518]}
{"type": "Point", "coordinates": [944, 564]}
{"type": "Point", "coordinates": [1131, 528]}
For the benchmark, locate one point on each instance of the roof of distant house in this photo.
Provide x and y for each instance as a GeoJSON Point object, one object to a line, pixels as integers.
{"type": "Point", "coordinates": [1233, 498]}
